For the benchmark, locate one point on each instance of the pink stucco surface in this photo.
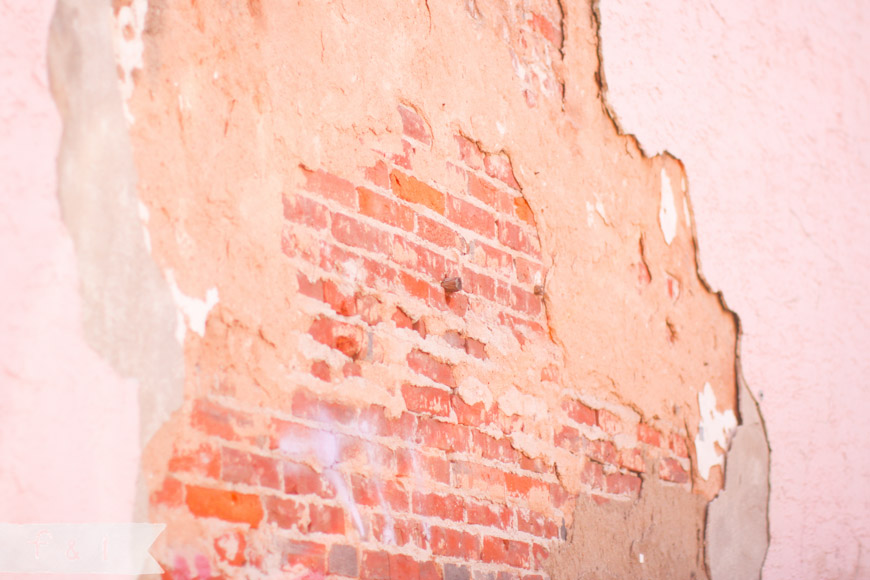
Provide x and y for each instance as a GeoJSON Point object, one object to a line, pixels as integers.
{"type": "Point", "coordinates": [68, 424]}
{"type": "Point", "coordinates": [768, 106]}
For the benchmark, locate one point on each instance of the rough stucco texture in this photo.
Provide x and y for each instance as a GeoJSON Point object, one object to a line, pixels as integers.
{"type": "Point", "coordinates": [767, 106]}
{"type": "Point", "coordinates": [69, 434]}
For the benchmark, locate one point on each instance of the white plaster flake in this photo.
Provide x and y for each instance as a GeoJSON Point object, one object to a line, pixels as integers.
{"type": "Point", "coordinates": [715, 430]}
{"type": "Point", "coordinates": [472, 391]}
{"type": "Point", "coordinates": [127, 35]}
{"type": "Point", "coordinates": [668, 211]}
{"type": "Point", "coordinates": [513, 402]}
{"type": "Point", "coordinates": [192, 312]}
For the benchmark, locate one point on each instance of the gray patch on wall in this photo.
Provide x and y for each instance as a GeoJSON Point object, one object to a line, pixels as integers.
{"type": "Point", "coordinates": [127, 309]}
{"type": "Point", "coordinates": [737, 534]}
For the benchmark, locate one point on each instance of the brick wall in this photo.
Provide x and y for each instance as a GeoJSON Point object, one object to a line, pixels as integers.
{"type": "Point", "coordinates": [412, 432]}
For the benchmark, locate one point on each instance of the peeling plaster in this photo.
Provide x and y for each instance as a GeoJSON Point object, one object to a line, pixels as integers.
{"type": "Point", "coordinates": [192, 312]}
{"type": "Point", "coordinates": [714, 432]}
{"type": "Point", "coordinates": [668, 212]}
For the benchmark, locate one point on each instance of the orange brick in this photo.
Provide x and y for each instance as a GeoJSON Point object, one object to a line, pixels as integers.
{"type": "Point", "coordinates": [227, 505]}
{"type": "Point", "coordinates": [330, 186]}
{"type": "Point", "coordinates": [385, 210]}
{"type": "Point", "coordinates": [426, 400]}
{"type": "Point", "coordinates": [413, 190]}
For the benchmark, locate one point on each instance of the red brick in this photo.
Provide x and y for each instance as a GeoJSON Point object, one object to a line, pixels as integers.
{"type": "Point", "coordinates": [610, 422]}
{"type": "Point", "coordinates": [521, 485]}
{"type": "Point", "coordinates": [677, 445]}
{"type": "Point", "coordinates": [402, 320]}
{"type": "Point", "coordinates": [286, 513]}
{"type": "Point", "coordinates": [343, 560]}
{"type": "Point", "coordinates": [449, 507]}
{"type": "Point", "coordinates": [525, 302]}
{"type": "Point", "coordinates": [426, 400]}
{"type": "Point", "coordinates": [375, 566]}
{"type": "Point", "coordinates": [523, 211]}
{"type": "Point", "coordinates": [309, 288]}
{"type": "Point", "coordinates": [469, 152]}
{"type": "Point", "coordinates": [230, 547]}
{"type": "Point", "coordinates": [171, 493]}
{"type": "Point", "coordinates": [308, 405]}
{"type": "Point", "coordinates": [471, 217]}
{"type": "Point", "coordinates": [374, 420]}
{"type": "Point", "coordinates": [475, 415]}
{"type": "Point", "coordinates": [300, 479]}
{"type": "Point", "coordinates": [414, 126]}
{"type": "Point", "coordinates": [344, 304]}
{"type": "Point", "coordinates": [536, 524]}
{"type": "Point", "coordinates": [415, 286]}
{"type": "Point", "coordinates": [321, 370]}
{"type": "Point", "coordinates": [454, 543]}
{"type": "Point", "coordinates": [308, 554]}
{"type": "Point", "coordinates": [413, 190]}
{"type": "Point", "coordinates": [439, 234]}
{"type": "Point", "coordinates": [476, 348]}
{"type": "Point", "coordinates": [306, 212]}
{"type": "Point", "coordinates": [398, 531]}
{"type": "Point", "coordinates": [579, 412]}
{"type": "Point", "coordinates": [632, 459]}
{"type": "Point", "coordinates": [404, 160]}
{"type": "Point", "coordinates": [648, 435]}
{"type": "Point", "coordinates": [568, 438]}
{"type": "Point", "coordinates": [249, 468]}
{"type": "Point", "coordinates": [420, 259]}
{"type": "Point", "coordinates": [227, 505]}
{"type": "Point", "coordinates": [489, 194]}
{"type": "Point", "coordinates": [326, 519]}
{"type": "Point", "coordinates": [343, 337]}
{"type": "Point", "coordinates": [378, 174]}
{"type": "Point", "coordinates": [205, 461]}
{"type": "Point", "coordinates": [496, 260]}
{"type": "Point", "coordinates": [516, 238]}
{"type": "Point", "coordinates": [416, 465]}
{"type": "Point", "coordinates": [402, 566]}
{"type": "Point", "coordinates": [539, 556]}
{"type": "Point", "coordinates": [489, 514]}
{"type": "Point", "coordinates": [623, 483]}
{"type": "Point", "coordinates": [547, 29]}
{"type": "Point", "coordinates": [671, 470]}
{"type": "Point", "coordinates": [498, 166]}
{"type": "Point", "coordinates": [528, 272]}
{"type": "Point", "coordinates": [480, 284]}
{"type": "Point", "coordinates": [501, 551]}
{"type": "Point", "coordinates": [601, 451]}
{"type": "Point", "coordinates": [593, 475]}
{"type": "Point", "coordinates": [352, 232]}
{"type": "Point", "coordinates": [330, 186]}
{"type": "Point", "coordinates": [213, 419]}
{"type": "Point", "coordinates": [478, 477]}
{"type": "Point", "coordinates": [373, 492]}
{"type": "Point", "coordinates": [489, 447]}
{"type": "Point", "coordinates": [440, 435]}
{"type": "Point", "coordinates": [426, 365]}
{"type": "Point", "coordinates": [385, 210]}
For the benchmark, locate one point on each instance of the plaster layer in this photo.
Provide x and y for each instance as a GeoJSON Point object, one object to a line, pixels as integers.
{"type": "Point", "coordinates": [766, 104]}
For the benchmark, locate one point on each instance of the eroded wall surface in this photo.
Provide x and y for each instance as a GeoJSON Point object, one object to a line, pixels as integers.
{"type": "Point", "coordinates": [766, 104]}
{"type": "Point", "coordinates": [266, 212]}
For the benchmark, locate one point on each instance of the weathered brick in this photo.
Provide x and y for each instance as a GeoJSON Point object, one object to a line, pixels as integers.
{"type": "Point", "coordinates": [439, 234]}
{"type": "Point", "coordinates": [353, 232]}
{"type": "Point", "coordinates": [321, 370]}
{"type": "Point", "coordinates": [204, 460]}
{"type": "Point", "coordinates": [374, 420]}
{"type": "Point", "coordinates": [525, 301]}
{"type": "Point", "coordinates": [516, 238]}
{"type": "Point", "coordinates": [213, 419]}
{"type": "Point", "coordinates": [475, 348]}
{"type": "Point", "coordinates": [475, 415]}
{"type": "Point", "coordinates": [413, 190]}
{"type": "Point", "coordinates": [502, 551]}
{"type": "Point", "coordinates": [308, 554]}
{"type": "Point", "coordinates": [326, 519]}
{"type": "Point", "coordinates": [489, 514]}
{"type": "Point", "coordinates": [330, 186]}
{"type": "Point", "coordinates": [170, 493]}
{"type": "Point", "coordinates": [671, 470]}
{"type": "Point", "coordinates": [489, 194]}
{"type": "Point", "coordinates": [306, 212]}
{"type": "Point", "coordinates": [527, 271]}
{"type": "Point", "coordinates": [623, 483]}
{"type": "Point", "coordinates": [600, 450]}
{"type": "Point", "coordinates": [426, 400]}
{"type": "Point", "coordinates": [488, 481]}
{"type": "Point", "coordinates": [230, 547]}
{"type": "Point", "coordinates": [449, 507]}
{"type": "Point", "coordinates": [523, 486]}
{"type": "Point", "coordinates": [496, 260]}
{"type": "Point", "coordinates": [536, 524]}
{"type": "Point", "coordinates": [547, 29]}
{"type": "Point", "coordinates": [227, 505]}
{"type": "Point", "coordinates": [404, 160]}
{"type": "Point", "coordinates": [250, 469]}
{"type": "Point", "coordinates": [677, 445]}
{"type": "Point", "coordinates": [498, 166]}
{"type": "Point", "coordinates": [286, 513]}
{"type": "Point", "coordinates": [454, 543]}
{"type": "Point", "coordinates": [416, 287]}
{"type": "Point", "coordinates": [431, 265]}
{"type": "Point", "coordinates": [385, 210]}
{"type": "Point", "coordinates": [631, 459]}
{"type": "Point", "coordinates": [414, 126]}
{"type": "Point", "coordinates": [375, 565]}
{"type": "Point", "coordinates": [343, 560]}
{"type": "Point", "coordinates": [568, 437]}
{"type": "Point", "coordinates": [343, 337]}
{"type": "Point", "coordinates": [593, 475]}
{"type": "Point", "coordinates": [308, 288]}
{"type": "Point", "coordinates": [376, 493]}
{"type": "Point", "coordinates": [417, 465]}
{"type": "Point", "coordinates": [470, 217]}
{"type": "Point", "coordinates": [300, 479]}
{"type": "Point", "coordinates": [440, 435]}
{"type": "Point", "coordinates": [469, 152]}
{"type": "Point", "coordinates": [523, 211]}
{"type": "Point", "coordinates": [648, 435]}
{"type": "Point", "coordinates": [428, 366]}
{"type": "Point", "coordinates": [342, 303]}
{"type": "Point", "coordinates": [579, 412]}
{"type": "Point", "coordinates": [609, 422]}
{"type": "Point", "coordinates": [477, 283]}
{"type": "Point", "coordinates": [308, 405]}
{"type": "Point", "coordinates": [378, 174]}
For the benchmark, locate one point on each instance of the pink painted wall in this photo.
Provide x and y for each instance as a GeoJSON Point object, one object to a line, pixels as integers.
{"type": "Point", "coordinates": [768, 106]}
{"type": "Point", "coordinates": [69, 426]}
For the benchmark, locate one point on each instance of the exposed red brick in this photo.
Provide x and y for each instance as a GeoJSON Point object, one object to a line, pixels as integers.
{"type": "Point", "coordinates": [426, 400]}
{"type": "Point", "coordinates": [477, 477]}
{"type": "Point", "coordinates": [353, 232]}
{"type": "Point", "coordinates": [414, 126]}
{"type": "Point", "coordinates": [489, 447]}
{"type": "Point", "coordinates": [514, 237]}
{"type": "Point", "coordinates": [171, 493]}
{"type": "Point", "coordinates": [496, 260]}
{"type": "Point", "coordinates": [308, 405]}
{"type": "Point", "coordinates": [610, 422]}
{"type": "Point", "coordinates": [424, 261]}
{"type": "Point", "coordinates": [525, 302]}
{"type": "Point", "coordinates": [343, 337]}
{"type": "Point", "coordinates": [480, 284]}
{"type": "Point", "coordinates": [498, 166]}
{"type": "Point", "coordinates": [475, 348]}
{"type": "Point", "coordinates": [418, 465]}
{"type": "Point", "coordinates": [454, 543]}
{"type": "Point", "coordinates": [428, 366]}
{"type": "Point", "coordinates": [579, 412]}
{"type": "Point", "coordinates": [321, 370]}
{"type": "Point", "coordinates": [300, 479]}
{"type": "Point", "coordinates": [308, 288]}
{"type": "Point", "coordinates": [489, 194]}
{"type": "Point", "coordinates": [213, 419]}
{"type": "Point", "coordinates": [437, 233]}
{"type": "Point", "coordinates": [523, 211]}
{"type": "Point", "coordinates": [671, 470]}
{"type": "Point", "coordinates": [521, 485]}
{"type": "Point", "coordinates": [647, 434]}
{"type": "Point", "coordinates": [601, 451]}
{"type": "Point", "coordinates": [547, 29]}
{"type": "Point", "coordinates": [415, 191]}
{"type": "Point", "coordinates": [631, 459]}
{"type": "Point", "coordinates": [385, 210]}
{"type": "Point", "coordinates": [528, 272]}
{"type": "Point", "coordinates": [677, 444]}
{"type": "Point", "coordinates": [469, 152]}
{"type": "Point", "coordinates": [593, 475]}
{"type": "Point", "coordinates": [204, 460]}
{"type": "Point", "coordinates": [449, 507]}
{"type": "Point", "coordinates": [489, 514]}
{"type": "Point", "coordinates": [398, 530]}
{"type": "Point", "coordinates": [375, 565]}
{"type": "Point", "coordinates": [378, 174]}
{"type": "Point", "coordinates": [372, 492]}
{"type": "Point", "coordinates": [568, 438]}
{"type": "Point", "coordinates": [402, 320]}
{"type": "Point", "coordinates": [343, 560]}
{"type": "Point", "coordinates": [227, 505]}
{"type": "Point", "coordinates": [330, 186]}
{"type": "Point", "coordinates": [623, 483]}
{"type": "Point", "coordinates": [344, 304]}
{"type": "Point", "coordinates": [250, 469]}
{"type": "Point", "coordinates": [473, 415]}
{"type": "Point", "coordinates": [536, 524]}
{"type": "Point", "coordinates": [440, 435]}
{"type": "Point", "coordinates": [286, 513]}
{"type": "Point", "coordinates": [404, 160]}
{"type": "Point", "coordinates": [306, 212]}
{"type": "Point", "coordinates": [415, 286]}
{"type": "Point", "coordinates": [470, 217]}
{"type": "Point", "coordinates": [308, 554]}
{"type": "Point", "coordinates": [326, 519]}
{"type": "Point", "coordinates": [501, 551]}
{"type": "Point", "coordinates": [374, 420]}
